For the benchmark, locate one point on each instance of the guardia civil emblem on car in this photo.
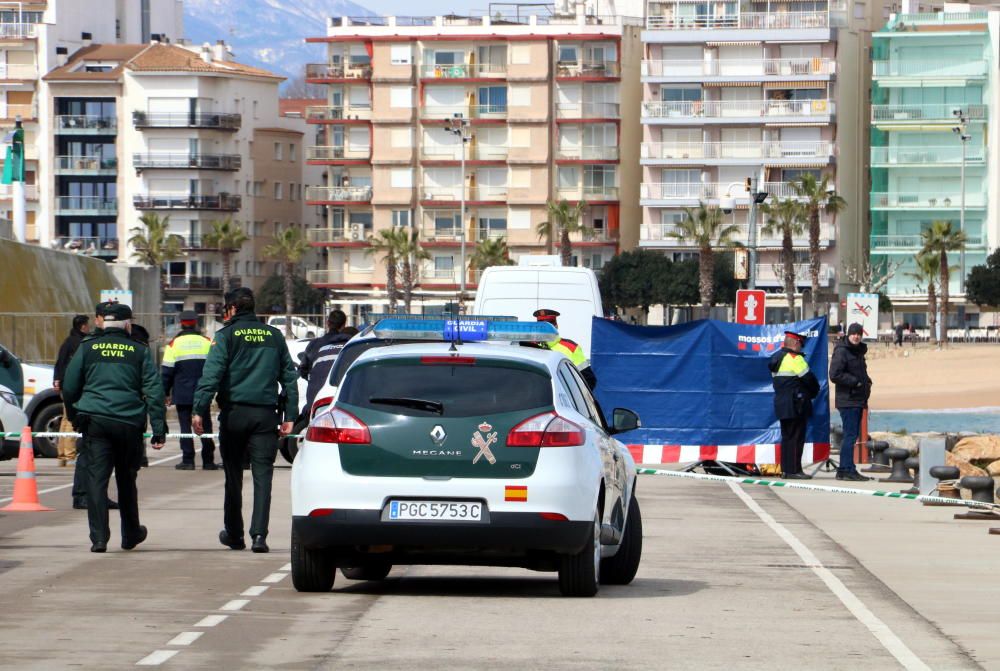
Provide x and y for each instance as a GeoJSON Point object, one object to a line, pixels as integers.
{"type": "Point", "coordinates": [438, 435]}
{"type": "Point", "coordinates": [482, 440]}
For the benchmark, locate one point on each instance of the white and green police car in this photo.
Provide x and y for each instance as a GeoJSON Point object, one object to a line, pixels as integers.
{"type": "Point", "coordinates": [447, 451]}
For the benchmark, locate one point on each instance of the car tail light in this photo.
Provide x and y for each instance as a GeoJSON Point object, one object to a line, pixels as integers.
{"type": "Point", "coordinates": [546, 430]}
{"type": "Point", "coordinates": [320, 403]}
{"type": "Point", "coordinates": [338, 426]}
{"type": "Point", "coordinates": [324, 512]}
{"type": "Point", "coordinates": [447, 360]}
{"type": "Point", "coordinates": [552, 517]}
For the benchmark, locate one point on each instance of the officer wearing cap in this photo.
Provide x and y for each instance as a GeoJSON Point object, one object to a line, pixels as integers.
{"type": "Point", "coordinates": [246, 362]}
{"type": "Point", "coordinates": [794, 389]}
{"type": "Point", "coordinates": [569, 348]}
{"type": "Point", "coordinates": [110, 387]}
{"type": "Point", "coordinates": [183, 362]}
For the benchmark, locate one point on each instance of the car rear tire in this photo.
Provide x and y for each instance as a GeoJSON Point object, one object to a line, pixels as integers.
{"type": "Point", "coordinates": [621, 569]}
{"type": "Point", "coordinates": [312, 570]}
{"type": "Point", "coordinates": [47, 419]}
{"type": "Point", "coordinates": [289, 447]}
{"type": "Point", "coordinates": [579, 574]}
{"type": "Point", "coordinates": [372, 571]}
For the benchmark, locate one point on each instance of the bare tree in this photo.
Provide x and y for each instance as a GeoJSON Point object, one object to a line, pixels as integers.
{"type": "Point", "coordinates": [872, 278]}
{"type": "Point", "coordinates": [297, 87]}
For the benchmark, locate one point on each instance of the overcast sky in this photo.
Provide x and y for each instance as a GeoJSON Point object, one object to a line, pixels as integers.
{"type": "Point", "coordinates": [422, 7]}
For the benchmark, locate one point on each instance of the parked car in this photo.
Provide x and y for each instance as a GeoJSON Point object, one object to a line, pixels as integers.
{"type": "Point", "coordinates": [300, 327]}
{"type": "Point", "coordinates": [31, 385]}
{"type": "Point", "coordinates": [12, 418]}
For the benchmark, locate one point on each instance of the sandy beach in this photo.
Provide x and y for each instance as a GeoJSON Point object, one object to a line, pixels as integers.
{"type": "Point", "coordinates": [962, 376]}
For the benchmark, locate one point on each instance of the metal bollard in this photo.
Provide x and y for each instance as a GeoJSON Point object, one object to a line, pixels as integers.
{"type": "Point", "coordinates": [995, 531]}
{"type": "Point", "coordinates": [946, 489]}
{"type": "Point", "coordinates": [913, 465]}
{"type": "Point", "coordinates": [880, 462]}
{"type": "Point", "coordinates": [981, 489]}
{"type": "Point", "coordinates": [898, 457]}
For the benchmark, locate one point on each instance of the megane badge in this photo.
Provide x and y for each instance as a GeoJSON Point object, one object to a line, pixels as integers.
{"type": "Point", "coordinates": [438, 435]}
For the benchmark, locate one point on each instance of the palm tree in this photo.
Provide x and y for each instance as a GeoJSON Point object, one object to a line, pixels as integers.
{"type": "Point", "coordinates": [388, 242]}
{"type": "Point", "coordinates": [288, 249]}
{"type": "Point", "coordinates": [564, 218]}
{"type": "Point", "coordinates": [410, 253]}
{"type": "Point", "coordinates": [154, 246]}
{"type": "Point", "coordinates": [940, 239]}
{"type": "Point", "coordinates": [227, 237]}
{"type": "Point", "coordinates": [817, 195]}
{"type": "Point", "coordinates": [929, 272]}
{"type": "Point", "coordinates": [489, 253]}
{"type": "Point", "coordinates": [705, 227]}
{"type": "Point", "coordinates": [787, 217]}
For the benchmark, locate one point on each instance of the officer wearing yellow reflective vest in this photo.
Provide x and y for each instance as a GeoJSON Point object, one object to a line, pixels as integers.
{"type": "Point", "coordinates": [795, 387]}
{"type": "Point", "coordinates": [183, 361]}
{"type": "Point", "coordinates": [569, 348]}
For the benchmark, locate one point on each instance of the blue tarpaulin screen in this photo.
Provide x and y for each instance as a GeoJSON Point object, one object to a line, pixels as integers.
{"type": "Point", "coordinates": [703, 382]}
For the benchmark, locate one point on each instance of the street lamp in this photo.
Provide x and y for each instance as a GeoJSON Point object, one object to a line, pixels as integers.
{"type": "Point", "coordinates": [728, 202]}
{"type": "Point", "coordinates": [963, 135]}
{"type": "Point", "coordinates": [460, 127]}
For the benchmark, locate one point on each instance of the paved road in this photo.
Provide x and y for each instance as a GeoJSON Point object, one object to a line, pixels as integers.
{"type": "Point", "coordinates": [724, 582]}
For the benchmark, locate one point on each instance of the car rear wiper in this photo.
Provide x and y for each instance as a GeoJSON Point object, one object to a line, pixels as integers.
{"type": "Point", "coordinates": [416, 403]}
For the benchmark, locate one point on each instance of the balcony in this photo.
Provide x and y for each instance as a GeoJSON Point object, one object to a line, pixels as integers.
{"type": "Point", "coordinates": [587, 153]}
{"type": "Point", "coordinates": [325, 73]}
{"type": "Point", "coordinates": [30, 191]}
{"type": "Point", "coordinates": [883, 114]}
{"type": "Point", "coordinates": [443, 112]}
{"type": "Point", "coordinates": [742, 21]}
{"type": "Point", "coordinates": [651, 235]}
{"type": "Point", "coordinates": [911, 244]}
{"type": "Point", "coordinates": [18, 31]}
{"type": "Point", "coordinates": [355, 233]}
{"type": "Point", "coordinates": [771, 275]}
{"type": "Point", "coordinates": [209, 120]}
{"type": "Point", "coordinates": [85, 124]}
{"type": "Point", "coordinates": [593, 236]}
{"type": "Point", "coordinates": [736, 153]}
{"type": "Point", "coordinates": [473, 194]}
{"type": "Point", "coordinates": [26, 112]}
{"type": "Point", "coordinates": [587, 70]}
{"type": "Point", "coordinates": [191, 282]}
{"type": "Point", "coordinates": [463, 71]}
{"type": "Point", "coordinates": [588, 110]}
{"type": "Point", "coordinates": [739, 70]}
{"type": "Point", "coordinates": [323, 278]}
{"type": "Point", "coordinates": [338, 153]}
{"type": "Point", "coordinates": [167, 201]}
{"type": "Point", "coordinates": [928, 69]}
{"type": "Point", "coordinates": [324, 195]}
{"type": "Point", "coordinates": [474, 152]}
{"type": "Point", "coordinates": [925, 200]}
{"type": "Point", "coordinates": [749, 111]}
{"type": "Point", "coordinates": [448, 276]}
{"type": "Point", "coordinates": [430, 233]}
{"type": "Point", "coordinates": [338, 114]}
{"type": "Point", "coordinates": [587, 193]}
{"type": "Point", "coordinates": [87, 246]}
{"type": "Point", "coordinates": [168, 161]}
{"type": "Point", "coordinates": [86, 165]}
{"type": "Point", "coordinates": [937, 19]}
{"type": "Point", "coordinates": [18, 72]}
{"type": "Point", "coordinates": [925, 156]}
{"type": "Point", "coordinates": [86, 206]}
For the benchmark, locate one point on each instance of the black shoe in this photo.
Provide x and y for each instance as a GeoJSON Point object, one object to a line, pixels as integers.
{"type": "Point", "coordinates": [112, 505]}
{"type": "Point", "coordinates": [210, 467]}
{"type": "Point", "coordinates": [230, 542]}
{"type": "Point", "coordinates": [144, 463]}
{"type": "Point", "coordinates": [99, 547]}
{"type": "Point", "coordinates": [184, 467]}
{"type": "Point", "coordinates": [141, 537]}
{"type": "Point", "coordinates": [855, 477]}
{"type": "Point", "coordinates": [79, 504]}
{"type": "Point", "coordinates": [796, 476]}
{"type": "Point", "coordinates": [260, 545]}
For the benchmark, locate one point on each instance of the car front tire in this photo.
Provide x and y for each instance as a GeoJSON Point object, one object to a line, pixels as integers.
{"type": "Point", "coordinates": [579, 574]}
{"type": "Point", "coordinates": [621, 569]}
{"type": "Point", "coordinates": [312, 570]}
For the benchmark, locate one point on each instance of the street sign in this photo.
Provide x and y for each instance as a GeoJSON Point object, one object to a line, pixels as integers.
{"type": "Point", "coordinates": [750, 306]}
{"type": "Point", "coordinates": [863, 309]}
{"type": "Point", "coordinates": [116, 296]}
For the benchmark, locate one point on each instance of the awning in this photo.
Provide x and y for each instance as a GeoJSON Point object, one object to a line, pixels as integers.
{"type": "Point", "coordinates": [795, 165]}
{"type": "Point", "coordinates": [795, 85]}
{"type": "Point", "coordinates": [737, 43]}
{"type": "Point", "coordinates": [815, 124]}
{"type": "Point", "coordinates": [720, 85]}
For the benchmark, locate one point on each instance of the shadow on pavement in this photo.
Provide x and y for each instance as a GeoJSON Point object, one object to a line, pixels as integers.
{"type": "Point", "coordinates": [504, 587]}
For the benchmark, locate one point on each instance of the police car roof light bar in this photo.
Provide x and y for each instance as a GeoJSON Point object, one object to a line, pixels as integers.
{"type": "Point", "coordinates": [465, 330]}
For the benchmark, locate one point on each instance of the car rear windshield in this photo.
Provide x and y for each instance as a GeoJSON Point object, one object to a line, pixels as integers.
{"type": "Point", "coordinates": [451, 390]}
{"type": "Point", "coordinates": [353, 350]}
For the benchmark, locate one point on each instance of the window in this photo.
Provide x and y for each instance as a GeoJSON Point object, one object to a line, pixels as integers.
{"type": "Point", "coordinates": [258, 189]}
{"type": "Point", "coordinates": [677, 94]}
{"type": "Point", "coordinates": [400, 54]}
{"type": "Point", "coordinates": [492, 225]}
{"type": "Point", "coordinates": [446, 223]}
{"type": "Point", "coordinates": [291, 191]}
{"type": "Point", "coordinates": [278, 191]}
{"type": "Point", "coordinates": [291, 151]}
{"type": "Point", "coordinates": [569, 54]}
{"type": "Point", "coordinates": [444, 265]}
{"type": "Point", "coordinates": [569, 177]}
{"type": "Point", "coordinates": [254, 109]}
{"type": "Point", "coordinates": [401, 218]}
{"type": "Point", "coordinates": [401, 178]}
{"type": "Point", "coordinates": [277, 151]}
{"type": "Point", "coordinates": [493, 99]}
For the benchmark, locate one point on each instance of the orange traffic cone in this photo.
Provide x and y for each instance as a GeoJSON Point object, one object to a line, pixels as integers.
{"type": "Point", "coordinates": [25, 486]}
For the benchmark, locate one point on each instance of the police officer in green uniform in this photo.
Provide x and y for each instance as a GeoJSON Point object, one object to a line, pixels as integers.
{"type": "Point", "coordinates": [246, 362]}
{"type": "Point", "coordinates": [110, 386]}
{"type": "Point", "coordinates": [795, 386]}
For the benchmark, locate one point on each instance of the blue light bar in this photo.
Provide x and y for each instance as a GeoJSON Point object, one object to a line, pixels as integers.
{"type": "Point", "coordinates": [466, 329]}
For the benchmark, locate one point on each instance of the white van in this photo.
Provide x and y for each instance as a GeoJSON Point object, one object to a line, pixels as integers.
{"type": "Point", "coordinates": [520, 290]}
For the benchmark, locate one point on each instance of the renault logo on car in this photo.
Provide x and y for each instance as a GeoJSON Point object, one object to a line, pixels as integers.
{"type": "Point", "coordinates": [438, 435]}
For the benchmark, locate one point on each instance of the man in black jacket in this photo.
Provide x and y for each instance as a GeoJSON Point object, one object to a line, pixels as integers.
{"type": "Point", "coordinates": [320, 355]}
{"type": "Point", "coordinates": [849, 372]}
{"type": "Point", "coordinates": [795, 386]}
{"type": "Point", "coordinates": [81, 327]}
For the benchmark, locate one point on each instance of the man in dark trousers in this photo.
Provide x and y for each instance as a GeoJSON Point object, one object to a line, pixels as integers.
{"type": "Point", "coordinates": [794, 389]}
{"type": "Point", "coordinates": [111, 385]}
{"type": "Point", "coordinates": [320, 355]}
{"type": "Point", "coordinates": [183, 362]}
{"type": "Point", "coordinates": [246, 362]}
{"type": "Point", "coordinates": [81, 327]}
{"type": "Point", "coordinates": [849, 373]}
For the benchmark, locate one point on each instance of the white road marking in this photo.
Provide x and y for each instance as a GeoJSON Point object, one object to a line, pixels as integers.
{"type": "Point", "coordinates": [185, 638]}
{"type": "Point", "coordinates": [286, 567]}
{"type": "Point", "coordinates": [879, 629]}
{"type": "Point", "coordinates": [235, 604]}
{"type": "Point", "coordinates": [256, 590]}
{"type": "Point", "coordinates": [211, 620]}
{"type": "Point", "coordinates": [156, 658]}
{"type": "Point", "coordinates": [274, 577]}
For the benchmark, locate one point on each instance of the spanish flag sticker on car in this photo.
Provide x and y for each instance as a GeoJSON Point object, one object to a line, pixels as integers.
{"type": "Point", "coordinates": [515, 493]}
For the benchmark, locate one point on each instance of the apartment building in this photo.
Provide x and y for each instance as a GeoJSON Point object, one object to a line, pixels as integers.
{"type": "Point", "coordinates": [160, 129]}
{"type": "Point", "coordinates": [543, 98]}
{"type": "Point", "coordinates": [759, 90]}
{"type": "Point", "coordinates": [34, 35]}
{"type": "Point", "coordinates": [929, 71]}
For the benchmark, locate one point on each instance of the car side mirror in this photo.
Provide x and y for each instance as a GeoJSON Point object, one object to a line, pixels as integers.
{"type": "Point", "coordinates": [622, 420]}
